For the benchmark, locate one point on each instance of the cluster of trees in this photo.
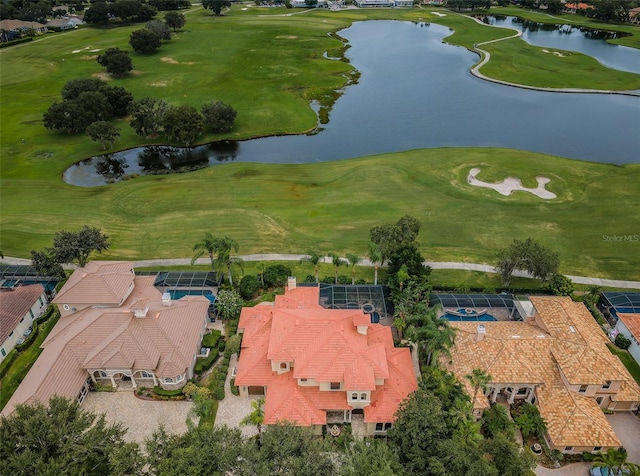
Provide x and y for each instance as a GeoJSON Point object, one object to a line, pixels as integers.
{"type": "Point", "coordinates": [117, 62]}
{"type": "Point", "coordinates": [69, 247]}
{"type": "Point", "coordinates": [527, 255]}
{"type": "Point", "coordinates": [85, 101]}
{"type": "Point", "coordinates": [468, 4]}
{"type": "Point", "coordinates": [128, 11]}
{"type": "Point", "coordinates": [216, 6]}
{"type": "Point", "coordinates": [150, 38]}
{"type": "Point", "coordinates": [166, 5]}
{"type": "Point", "coordinates": [268, 277]}
{"type": "Point", "coordinates": [151, 116]}
{"type": "Point", "coordinates": [36, 10]}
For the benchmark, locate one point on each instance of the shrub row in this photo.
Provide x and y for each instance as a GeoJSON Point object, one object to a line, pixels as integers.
{"type": "Point", "coordinates": [15, 42]}
{"type": "Point", "coordinates": [211, 340]}
{"type": "Point", "coordinates": [167, 393]}
{"type": "Point", "coordinates": [205, 364]}
{"type": "Point", "coordinates": [234, 389]}
{"type": "Point", "coordinates": [5, 365]}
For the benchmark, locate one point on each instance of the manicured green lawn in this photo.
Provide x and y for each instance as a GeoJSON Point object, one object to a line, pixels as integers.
{"type": "Point", "coordinates": [21, 366]}
{"type": "Point", "coordinates": [628, 361]}
{"type": "Point", "coordinates": [268, 67]}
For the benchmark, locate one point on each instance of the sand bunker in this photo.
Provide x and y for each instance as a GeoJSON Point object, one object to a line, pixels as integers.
{"type": "Point", "coordinates": [287, 37]}
{"type": "Point", "coordinates": [557, 53]}
{"type": "Point", "coordinates": [169, 60]}
{"type": "Point", "coordinates": [510, 184]}
{"type": "Point", "coordinates": [439, 14]}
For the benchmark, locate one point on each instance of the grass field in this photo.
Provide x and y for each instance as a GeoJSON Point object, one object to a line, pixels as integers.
{"type": "Point", "coordinates": [268, 67]}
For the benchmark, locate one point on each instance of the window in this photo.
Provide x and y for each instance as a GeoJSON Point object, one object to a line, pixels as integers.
{"type": "Point", "coordinates": [607, 384]}
{"type": "Point", "coordinates": [354, 396]}
{"type": "Point", "coordinates": [363, 396]}
{"type": "Point", "coordinates": [179, 378]}
{"type": "Point", "coordinates": [388, 426]}
{"type": "Point", "coordinates": [283, 365]}
{"type": "Point", "coordinates": [145, 374]}
{"type": "Point", "coordinates": [11, 333]}
{"type": "Point", "coordinates": [379, 426]}
{"type": "Point", "coordinates": [303, 379]}
{"type": "Point", "coordinates": [583, 388]}
{"type": "Point", "coordinates": [102, 374]}
{"type": "Point", "coordinates": [40, 301]}
{"type": "Point", "coordinates": [3, 352]}
{"type": "Point", "coordinates": [383, 426]}
{"type": "Point", "coordinates": [522, 391]}
{"type": "Point", "coordinates": [30, 314]}
{"type": "Point", "coordinates": [597, 448]}
{"type": "Point", "coordinates": [599, 400]}
{"type": "Point", "coordinates": [22, 320]}
{"type": "Point", "coordinates": [334, 385]}
{"type": "Point", "coordinates": [168, 380]}
{"type": "Point", "coordinates": [568, 448]}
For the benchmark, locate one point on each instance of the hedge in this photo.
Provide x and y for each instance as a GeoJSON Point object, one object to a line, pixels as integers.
{"type": "Point", "coordinates": [158, 390]}
{"type": "Point", "coordinates": [5, 365]}
{"type": "Point", "coordinates": [211, 340]}
{"type": "Point", "coordinates": [205, 364]}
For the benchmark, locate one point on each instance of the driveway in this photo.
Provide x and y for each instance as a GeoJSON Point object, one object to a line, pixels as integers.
{"type": "Point", "coordinates": [140, 417]}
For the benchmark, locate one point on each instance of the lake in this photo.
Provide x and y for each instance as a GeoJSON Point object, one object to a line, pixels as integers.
{"type": "Point", "coordinates": [415, 92]}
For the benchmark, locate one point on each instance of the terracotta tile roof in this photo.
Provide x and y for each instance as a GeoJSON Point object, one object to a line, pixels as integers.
{"type": "Point", "coordinates": [15, 304]}
{"type": "Point", "coordinates": [165, 341]}
{"type": "Point", "coordinates": [632, 322]}
{"type": "Point", "coordinates": [563, 340]}
{"type": "Point", "coordinates": [323, 345]}
{"type": "Point", "coordinates": [99, 282]}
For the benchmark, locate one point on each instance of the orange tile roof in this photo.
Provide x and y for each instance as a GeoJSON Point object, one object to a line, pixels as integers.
{"type": "Point", "coordinates": [15, 304]}
{"type": "Point", "coordinates": [563, 340]}
{"type": "Point", "coordinates": [165, 341]}
{"type": "Point", "coordinates": [632, 322]}
{"type": "Point", "coordinates": [323, 345]}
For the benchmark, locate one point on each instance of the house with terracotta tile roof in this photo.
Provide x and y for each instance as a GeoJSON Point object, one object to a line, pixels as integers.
{"type": "Point", "coordinates": [629, 326]}
{"type": "Point", "coordinates": [318, 366]}
{"type": "Point", "coordinates": [19, 307]}
{"type": "Point", "coordinates": [115, 326]}
{"type": "Point", "coordinates": [576, 7]}
{"type": "Point", "coordinates": [558, 360]}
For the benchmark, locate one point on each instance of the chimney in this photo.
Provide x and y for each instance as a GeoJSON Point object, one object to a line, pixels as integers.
{"type": "Point", "coordinates": [291, 283]}
{"type": "Point", "coordinates": [140, 311]}
{"type": "Point", "coordinates": [481, 332]}
{"type": "Point", "coordinates": [166, 299]}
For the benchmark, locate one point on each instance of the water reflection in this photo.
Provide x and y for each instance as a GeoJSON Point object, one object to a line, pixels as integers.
{"type": "Point", "coordinates": [110, 167]}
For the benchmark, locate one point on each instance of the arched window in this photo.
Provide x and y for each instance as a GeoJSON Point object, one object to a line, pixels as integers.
{"type": "Point", "coordinates": [363, 396]}
{"type": "Point", "coordinates": [354, 396]}
{"type": "Point", "coordinates": [283, 365]}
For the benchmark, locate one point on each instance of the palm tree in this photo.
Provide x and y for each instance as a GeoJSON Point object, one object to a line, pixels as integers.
{"type": "Point", "coordinates": [632, 469]}
{"type": "Point", "coordinates": [432, 334]}
{"type": "Point", "coordinates": [206, 245]}
{"type": "Point", "coordinates": [613, 459]}
{"type": "Point", "coordinates": [402, 276]}
{"type": "Point", "coordinates": [479, 379]}
{"type": "Point", "coordinates": [353, 261]}
{"type": "Point", "coordinates": [256, 417]}
{"type": "Point", "coordinates": [224, 260]}
{"type": "Point", "coordinates": [314, 258]}
{"type": "Point", "coordinates": [261, 269]}
{"type": "Point", "coordinates": [375, 256]}
{"type": "Point", "coordinates": [337, 262]}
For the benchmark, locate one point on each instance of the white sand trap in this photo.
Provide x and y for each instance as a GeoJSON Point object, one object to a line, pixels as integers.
{"type": "Point", "coordinates": [545, 51]}
{"type": "Point", "coordinates": [510, 184]}
{"type": "Point", "coordinates": [439, 14]}
{"type": "Point", "coordinates": [557, 53]}
{"type": "Point", "coordinates": [93, 51]}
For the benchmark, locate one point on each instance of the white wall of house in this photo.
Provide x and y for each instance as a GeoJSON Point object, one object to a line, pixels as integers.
{"type": "Point", "coordinates": [38, 308]}
{"type": "Point", "coordinates": [634, 349]}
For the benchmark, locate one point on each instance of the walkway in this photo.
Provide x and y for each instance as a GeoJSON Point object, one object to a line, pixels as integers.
{"type": "Point", "coordinates": [484, 268]}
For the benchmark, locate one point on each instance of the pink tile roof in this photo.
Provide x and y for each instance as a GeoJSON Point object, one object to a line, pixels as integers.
{"type": "Point", "coordinates": [324, 346]}
{"type": "Point", "coordinates": [632, 322]}
{"type": "Point", "coordinates": [99, 282]}
{"type": "Point", "coordinates": [15, 304]}
{"type": "Point", "coordinates": [165, 341]}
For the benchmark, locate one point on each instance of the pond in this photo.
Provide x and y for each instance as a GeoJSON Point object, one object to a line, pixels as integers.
{"type": "Point", "coordinates": [414, 92]}
{"type": "Point", "coordinates": [573, 38]}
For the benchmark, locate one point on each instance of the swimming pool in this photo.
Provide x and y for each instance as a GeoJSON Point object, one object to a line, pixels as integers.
{"type": "Point", "coordinates": [180, 293]}
{"type": "Point", "coordinates": [468, 314]}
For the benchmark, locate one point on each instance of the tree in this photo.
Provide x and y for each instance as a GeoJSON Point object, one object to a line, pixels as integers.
{"type": "Point", "coordinates": [249, 286]}
{"type": "Point", "coordinates": [353, 261]}
{"type": "Point", "coordinates": [223, 247]}
{"type": "Point", "coordinates": [175, 20]}
{"type": "Point", "coordinates": [59, 438]}
{"type": "Point", "coordinates": [103, 132]}
{"type": "Point", "coordinates": [116, 61]}
{"type": "Point", "coordinates": [337, 262]}
{"type": "Point", "coordinates": [119, 98]}
{"type": "Point", "coordinates": [256, 417]}
{"type": "Point", "coordinates": [507, 457]}
{"type": "Point", "coordinates": [613, 459]}
{"type": "Point", "coordinates": [70, 246]}
{"type": "Point", "coordinates": [144, 41]}
{"type": "Point", "coordinates": [530, 256]}
{"type": "Point", "coordinates": [314, 258]}
{"type": "Point", "coordinates": [98, 14]}
{"type": "Point", "coordinates": [67, 116]}
{"type": "Point", "coordinates": [214, 450]}
{"type": "Point", "coordinates": [205, 245]}
{"type": "Point", "coordinates": [374, 255]}
{"type": "Point", "coordinates": [429, 332]}
{"type": "Point", "coordinates": [216, 6]}
{"type": "Point", "coordinates": [528, 418]}
{"type": "Point", "coordinates": [45, 264]}
{"type": "Point", "coordinates": [390, 237]}
{"type": "Point", "coordinates": [276, 275]}
{"type": "Point", "coordinates": [183, 123]}
{"type": "Point", "coordinates": [74, 87]}
{"type": "Point", "coordinates": [479, 379]}
{"type": "Point", "coordinates": [95, 105]}
{"type": "Point", "coordinates": [371, 458]}
{"type": "Point", "coordinates": [560, 285]}
{"type": "Point", "coordinates": [159, 28]}
{"type": "Point", "coordinates": [495, 420]}
{"type": "Point", "coordinates": [148, 116]}
{"type": "Point", "coordinates": [420, 424]}
{"type": "Point", "coordinates": [218, 116]}
{"type": "Point", "coordinates": [608, 10]}
{"type": "Point", "coordinates": [228, 304]}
